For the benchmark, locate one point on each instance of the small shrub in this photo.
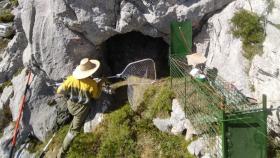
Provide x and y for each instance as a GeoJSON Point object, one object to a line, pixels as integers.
{"type": "Point", "coordinates": [34, 145]}
{"type": "Point", "coordinates": [278, 26]}
{"type": "Point", "coordinates": [4, 85]}
{"type": "Point", "coordinates": [6, 16]}
{"type": "Point", "coordinates": [18, 72]}
{"type": "Point", "coordinates": [248, 27]}
{"type": "Point", "coordinates": [252, 87]}
{"type": "Point", "coordinates": [3, 43]}
{"type": "Point", "coordinates": [5, 118]}
{"type": "Point", "coordinates": [14, 2]}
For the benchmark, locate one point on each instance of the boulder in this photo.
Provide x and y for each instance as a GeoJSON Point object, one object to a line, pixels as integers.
{"type": "Point", "coordinates": [5, 96]}
{"type": "Point", "coordinates": [5, 141]}
{"type": "Point", "coordinates": [197, 147]}
{"type": "Point", "coordinates": [163, 125]}
{"type": "Point", "coordinates": [206, 147]}
{"type": "Point", "coordinates": [12, 57]}
{"type": "Point", "coordinates": [96, 115]}
{"type": "Point", "coordinates": [177, 123]}
{"type": "Point", "coordinates": [43, 111]}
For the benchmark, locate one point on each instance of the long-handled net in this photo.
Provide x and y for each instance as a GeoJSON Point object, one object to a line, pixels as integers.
{"type": "Point", "coordinates": [138, 75]}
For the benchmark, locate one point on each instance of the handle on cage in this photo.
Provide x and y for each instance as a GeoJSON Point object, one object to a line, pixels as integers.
{"type": "Point", "coordinates": [115, 76]}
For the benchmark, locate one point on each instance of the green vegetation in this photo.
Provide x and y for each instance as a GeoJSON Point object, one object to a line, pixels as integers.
{"type": "Point", "coordinates": [6, 16]}
{"type": "Point", "coordinates": [273, 145]}
{"type": "Point", "coordinates": [3, 43]}
{"type": "Point", "coordinates": [277, 26]}
{"type": "Point", "coordinates": [19, 70]}
{"type": "Point", "coordinates": [5, 118]}
{"type": "Point", "coordinates": [248, 27]}
{"type": "Point", "coordinates": [34, 145]}
{"type": "Point", "coordinates": [128, 133]}
{"type": "Point", "coordinates": [4, 85]}
{"type": "Point", "coordinates": [14, 2]}
{"type": "Point", "coordinates": [252, 87]}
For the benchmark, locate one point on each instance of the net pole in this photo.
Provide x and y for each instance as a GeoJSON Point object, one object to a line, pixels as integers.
{"type": "Point", "coordinates": [264, 99]}
{"type": "Point", "coordinates": [185, 95]}
{"type": "Point", "coordinates": [224, 147]}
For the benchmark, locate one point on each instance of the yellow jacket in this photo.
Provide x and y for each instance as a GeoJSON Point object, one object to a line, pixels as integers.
{"type": "Point", "coordinates": [80, 91]}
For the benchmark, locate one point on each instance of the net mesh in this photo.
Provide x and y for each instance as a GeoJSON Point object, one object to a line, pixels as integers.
{"type": "Point", "coordinates": [206, 101]}
{"type": "Point", "coordinates": [138, 75]}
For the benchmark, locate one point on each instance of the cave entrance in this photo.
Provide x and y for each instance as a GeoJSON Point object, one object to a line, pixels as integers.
{"type": "Point", "coordinates": [122, 49]}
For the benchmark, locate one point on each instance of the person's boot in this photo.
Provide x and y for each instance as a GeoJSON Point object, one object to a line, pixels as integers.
{"type": "Point", "coordinates": [66, 144]}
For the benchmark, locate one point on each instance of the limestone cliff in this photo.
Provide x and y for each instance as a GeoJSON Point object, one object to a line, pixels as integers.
{"type": "Point", "coordinates": [53, 35]}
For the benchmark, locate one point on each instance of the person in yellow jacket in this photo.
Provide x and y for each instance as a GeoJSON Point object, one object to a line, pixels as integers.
{"type": "Point", "coordinates": [81, 91]}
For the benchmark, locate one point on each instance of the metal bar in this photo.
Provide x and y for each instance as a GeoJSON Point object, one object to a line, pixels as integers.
{"type": "Point", "coordinates": [264, 99]}
{"type": "Point", "coordinates": [224, 138]}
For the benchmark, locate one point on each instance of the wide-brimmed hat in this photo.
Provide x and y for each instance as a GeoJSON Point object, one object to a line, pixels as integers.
{"type": "Point", "coordinates": [196, 58]}
{"type": "Point", "coordinates": [86, 68]}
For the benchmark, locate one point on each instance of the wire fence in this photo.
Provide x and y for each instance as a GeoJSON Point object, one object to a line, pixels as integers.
{"type": "Point", "coordinates": [206, 102]}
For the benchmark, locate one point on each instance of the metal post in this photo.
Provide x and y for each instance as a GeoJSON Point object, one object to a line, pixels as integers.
{"type": "Point", "coordinates": [264, 100]}
{"type": "Point", "coordinates": [185, 96]}
{"type": "Point", "coordinates": [224, 138]}
{"type": "Point", "coordinates": [170, 71]}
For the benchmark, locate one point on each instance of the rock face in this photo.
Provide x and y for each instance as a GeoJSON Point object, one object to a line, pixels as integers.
{"type": "Point", "coordinates": [53, 35]}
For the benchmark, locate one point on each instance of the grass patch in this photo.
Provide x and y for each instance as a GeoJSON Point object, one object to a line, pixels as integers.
{"type": "Point", "coordinates": [4, 85]}
{"type": "Point", "coordinates": [5, 118]}
{"type": "Point", "coordinates": [247, 26]}
{"type": "Point", "coordinates": [18, 72]}
{"type": "Point", "coordinates": [277, 26]}
{"type": "Point", "coordinates": [157, 101]}
{"type": "Point", "coordinates": [34, 145]}
{"type": "Point", "coordinates": [127, 133]}
{"type": "Point", "coordinates": [3, 43]}
{"type": "Point", "coordinates": [6, 16]}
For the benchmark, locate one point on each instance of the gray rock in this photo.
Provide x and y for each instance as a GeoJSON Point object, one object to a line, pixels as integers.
{"type": "Point", "coordinates": [43, 112]}
{"type": "Point", "coordinates": [5, 96]}
{"type": "Point", "coordinates": [197, 147]}
{"type": "Point", "coordinates": [12, 57]}
{"type": "Point", "coordinates": [96, 115]}
{"type": "Point", "coordinates": [206, 147]}
{"type": "Point", "coordinates": [177, 123]}
{"type": "Point", "coordinates": [5, 141]}
{"type": "Point", "coordinates": [163, 125]}
{"type": "Point", "coordinates": [177, 118]}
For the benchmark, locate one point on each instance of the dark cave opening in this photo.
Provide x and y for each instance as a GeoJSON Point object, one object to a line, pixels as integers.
{"type": "Point", "coordinates": [122, 49]}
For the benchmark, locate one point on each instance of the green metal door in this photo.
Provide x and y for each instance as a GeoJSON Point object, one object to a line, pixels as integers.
{"type": "Point", "coordinates": [245, 135]}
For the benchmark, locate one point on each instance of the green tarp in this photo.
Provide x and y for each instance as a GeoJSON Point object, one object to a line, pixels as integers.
{"type": "Point", "coordinates": [181, 37]}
